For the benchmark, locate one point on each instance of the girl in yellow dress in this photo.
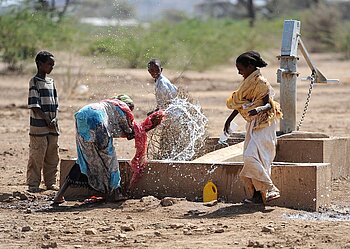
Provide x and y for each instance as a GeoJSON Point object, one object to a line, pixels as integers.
{"type": "Point", "coordinates": [254, 101]}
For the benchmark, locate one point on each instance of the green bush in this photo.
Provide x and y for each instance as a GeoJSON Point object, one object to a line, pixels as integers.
{"type": "Point", "coordinates": [187, 44]}
{"type": "Point", "coordinates": [319, 25]}
{"type": "Point", "coordinates": [191, 43]}
{"type": "Point", "coordinates": [23, 33]}
{"type": "Point", "coordinates": [343, 40]}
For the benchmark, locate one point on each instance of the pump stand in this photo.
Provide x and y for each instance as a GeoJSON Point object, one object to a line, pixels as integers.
{"type": "Point", "coordinates": [287, 73]}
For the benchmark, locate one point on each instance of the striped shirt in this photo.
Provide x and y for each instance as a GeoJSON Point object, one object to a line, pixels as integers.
{"type": "Point", "coordinates": [43, 95]}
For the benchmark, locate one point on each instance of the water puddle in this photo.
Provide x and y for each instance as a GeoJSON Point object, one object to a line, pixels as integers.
{"type": "Point", "coordinates": [331, 214]}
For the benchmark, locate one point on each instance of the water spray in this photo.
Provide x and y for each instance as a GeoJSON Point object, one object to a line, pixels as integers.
{"type": "Point", "coordinates": [181, 135]}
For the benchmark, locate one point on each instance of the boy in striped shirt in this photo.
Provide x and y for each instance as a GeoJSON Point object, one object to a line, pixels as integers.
{"type": "Point", "coordinates": [43, 132]}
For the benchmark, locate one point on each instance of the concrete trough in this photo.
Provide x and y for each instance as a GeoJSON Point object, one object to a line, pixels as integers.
{"type": "Point", "coordinates": [295, 147]}
{"type": "Point", "coordinates": [333, 150]}
{"type": "Point", "coordinates": [304, 167]}
{"type": "Point", "coordinates": [304, 186]}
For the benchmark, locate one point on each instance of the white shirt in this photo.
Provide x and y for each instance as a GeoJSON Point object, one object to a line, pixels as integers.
{"type": "Point", "coordinates": [165, 91]}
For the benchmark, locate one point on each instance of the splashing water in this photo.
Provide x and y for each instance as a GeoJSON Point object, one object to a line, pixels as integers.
{"type": "Point", "coordinates": [181, 135]}
{"type": "Point", "coordinates": [213, 167]}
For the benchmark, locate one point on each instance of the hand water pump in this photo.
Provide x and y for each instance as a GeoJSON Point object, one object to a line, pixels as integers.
{"type": "Point", "coordinates": [287, 75]}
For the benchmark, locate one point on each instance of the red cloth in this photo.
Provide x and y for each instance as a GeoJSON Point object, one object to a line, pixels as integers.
{"type": "Point", "coordinates": [139, 161]}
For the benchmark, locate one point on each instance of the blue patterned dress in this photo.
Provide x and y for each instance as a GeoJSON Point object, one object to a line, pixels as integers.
{"type": "Point", "coordinates": [96, 125]}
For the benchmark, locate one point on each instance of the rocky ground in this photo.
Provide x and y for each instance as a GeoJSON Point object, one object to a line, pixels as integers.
{"type": "Point", "coordinates": [28, 221]}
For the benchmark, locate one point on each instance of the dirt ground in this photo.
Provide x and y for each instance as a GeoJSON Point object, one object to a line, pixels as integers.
{"type": "Point", "coordinates": [28, 221]}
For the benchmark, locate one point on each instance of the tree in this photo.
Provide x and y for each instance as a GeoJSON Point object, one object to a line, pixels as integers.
{"type": "Point", "coordinates": [50, 7]}
{"type": "Point", "coordinates": [250, 9]}
{"type": "Point", "coordinates": [251, 12]}
{"type": "Point", "coordinates": [275, 8]}
{"type": "Point", "coordinates": [173, 15]}
{"type": "Point", "coordinates": [224, 9]}
{"type": "Point", "coordinates": [319, 26]}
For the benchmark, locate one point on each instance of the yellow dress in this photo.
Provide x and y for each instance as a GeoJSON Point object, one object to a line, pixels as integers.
{"type": "Point", "coordinates": [260, 140]}
{"type": "Point", "coordinates": [249, 95]}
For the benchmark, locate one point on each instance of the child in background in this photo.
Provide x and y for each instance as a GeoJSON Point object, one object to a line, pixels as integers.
{"type": "Point", "coordinates": [253, 100]}
{"type": "Point", "coordinates": [43, 131]}
{"type": "Point", "coordinates": [165, 91]}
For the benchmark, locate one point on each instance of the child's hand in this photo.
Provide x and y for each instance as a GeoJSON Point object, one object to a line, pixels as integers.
{"type": "Point", "coordinates": [53, 123]}
{"type": "Point", "coordinates": [155, 118]}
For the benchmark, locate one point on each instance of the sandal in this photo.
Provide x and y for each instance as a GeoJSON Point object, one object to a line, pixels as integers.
{"type": "Point", "coordinates": [94, 199]}
{"type": "Point", "coordinates": [272, 195]}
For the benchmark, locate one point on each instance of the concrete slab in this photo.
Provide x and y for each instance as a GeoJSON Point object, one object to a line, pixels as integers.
{"type": "Point", "coordinates": [232, 153]}
{"type": "Point", "coordinates": [296, 147]}
{"type": "Point", "coordinates": [333, 150]}
{"type": "Point", "coordinates": [303, 134]}
{"type": "Point", "coordinates": [211, 144]}
{"type": "Point", "coordinates": [302, 186]}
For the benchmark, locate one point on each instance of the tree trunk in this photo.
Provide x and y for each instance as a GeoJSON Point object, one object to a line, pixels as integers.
{"type": "Point", "coordinates": [249, 5]}
{"type": "Point", "coordinates": [43, 5]}
{"type": "Point", "coordinates": [251, 12]}
{"type": "Point", "coordinates": [61, 14]}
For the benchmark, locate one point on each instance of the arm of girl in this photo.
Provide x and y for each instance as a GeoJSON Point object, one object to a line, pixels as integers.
{"type": "Point", "coordinates": [265, 107]}
{"type": "Point", "coordinates": [229, 120]}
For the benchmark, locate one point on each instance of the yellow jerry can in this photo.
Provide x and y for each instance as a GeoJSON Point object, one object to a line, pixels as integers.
{"type": "Point", "coordinates": [210, 192]}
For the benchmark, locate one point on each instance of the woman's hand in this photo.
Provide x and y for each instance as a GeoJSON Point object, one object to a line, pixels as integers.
{"type": "Point", "coordinates": [151, 112]}
{"type": "Point", "coordinates": [156, 118]}
{"type": "Point", "coordinates": [265, 107]}
{"type": "Point", "coordinates": [130, 136]}
{"type": "Point", "coordinates": [259, 109]}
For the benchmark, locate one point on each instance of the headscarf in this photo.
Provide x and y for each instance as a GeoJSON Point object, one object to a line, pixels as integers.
{"type": "Point", "coordinates": [125, 98]}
